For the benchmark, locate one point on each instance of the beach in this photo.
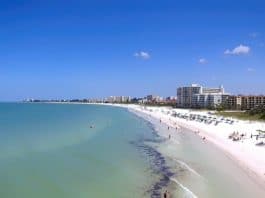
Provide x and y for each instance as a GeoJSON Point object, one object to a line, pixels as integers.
{"type": "Point", "coordinates": [245, 152]}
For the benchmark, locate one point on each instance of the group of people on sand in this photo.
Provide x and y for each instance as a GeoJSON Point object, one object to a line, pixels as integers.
{"type": "Point", "coordinates": [236, 136]}
{"type": "Point", "coordinates": [168, 126]}
{"type": "Point", "coordinates": [169, 136]}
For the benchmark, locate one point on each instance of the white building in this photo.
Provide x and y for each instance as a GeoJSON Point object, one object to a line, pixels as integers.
{"type": "Point", "coordinates": [209, 97]}
{"type": "Point", "coordinates": [197, 96]}
{"type": "Point", "coordinates": [185, 95]}
{"type": "Point", "coordinates": [118, 99]}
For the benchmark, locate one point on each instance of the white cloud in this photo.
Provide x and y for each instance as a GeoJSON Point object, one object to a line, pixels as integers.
{"type": "Point", "coordinates": [142, 54]}
{"type": "Point", "coordinates": [250, 69]}
{"type": "Point", "coordinates": [241, 49]}
{"type": "Point", "coordinates": [202, 61]}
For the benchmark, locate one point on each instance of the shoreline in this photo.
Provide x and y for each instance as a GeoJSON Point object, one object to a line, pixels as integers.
{"type": "Point", "coordinates": [168, 178]}
{"type": "Point", "coordinates": [247, 156]}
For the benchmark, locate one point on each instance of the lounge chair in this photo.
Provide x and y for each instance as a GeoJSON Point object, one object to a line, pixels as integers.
{"type": "Point", "coordinates": [261, 143]}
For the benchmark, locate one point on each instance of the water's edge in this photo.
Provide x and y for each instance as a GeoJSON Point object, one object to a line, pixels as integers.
{"type": "Point", "coordinates": [157, 160]}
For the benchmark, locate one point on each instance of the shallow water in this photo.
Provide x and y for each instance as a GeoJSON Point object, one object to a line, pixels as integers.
{"type": "Point", "coordinates": [203, 170]}
{"type": "Point", "coordinates": [49, 150]}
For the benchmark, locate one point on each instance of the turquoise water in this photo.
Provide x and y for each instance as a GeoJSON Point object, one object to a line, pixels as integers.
{"type": "Point", "coordinates": [49, 150]}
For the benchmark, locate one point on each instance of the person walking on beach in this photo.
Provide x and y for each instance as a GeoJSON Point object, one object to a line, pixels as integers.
{"type": "Point", "coordinates": [166, 194]}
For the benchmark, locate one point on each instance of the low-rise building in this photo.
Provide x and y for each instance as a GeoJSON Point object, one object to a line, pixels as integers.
{"type": "Point", "coordinates": [153, 98]}
{"type": "Point", "coordinates": [245, 102]}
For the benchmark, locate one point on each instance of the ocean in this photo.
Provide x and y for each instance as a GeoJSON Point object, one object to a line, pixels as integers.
{"type": "Point", "coordinates": [82, 151]}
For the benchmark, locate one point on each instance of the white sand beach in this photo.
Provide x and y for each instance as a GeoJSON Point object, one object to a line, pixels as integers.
{"type": "Point", "coordinates": [245, 151]}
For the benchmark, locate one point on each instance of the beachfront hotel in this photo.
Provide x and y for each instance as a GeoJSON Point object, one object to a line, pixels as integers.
{"type": "Point", "coordinates": [154, 98]}
{"type": "Point", "coordinates": [197, 96]}
{"type": "Point", "coordinates": [185, 94]}
{"type": "Point", "coordinates": [118, 99]}
{"type": "Point", "coordinates": [245, 102]}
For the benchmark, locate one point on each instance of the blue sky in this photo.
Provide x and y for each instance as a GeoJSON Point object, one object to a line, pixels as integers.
{"type": "Point", "coordinates": [78, 49]}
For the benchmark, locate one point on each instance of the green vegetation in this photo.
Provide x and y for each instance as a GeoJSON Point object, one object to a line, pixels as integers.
{"type": "Point", "coordinates": [257, 113]}
{"type": "Point", "coordinates": [241, 115]}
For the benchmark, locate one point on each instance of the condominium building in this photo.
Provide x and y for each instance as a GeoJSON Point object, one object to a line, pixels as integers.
{"type": "Point", "coordinates": [197, 96]}
{"type": "Point", "coordinates": [245, 102]}
{"type": "Point", "coordinates": [185, 94]}
{"type": "Point", "coordinates": [119, 99]}
{"type": "Point", "coordinates": [211, 100]}
{"type": "Point", "coordinates": [154, 98]}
